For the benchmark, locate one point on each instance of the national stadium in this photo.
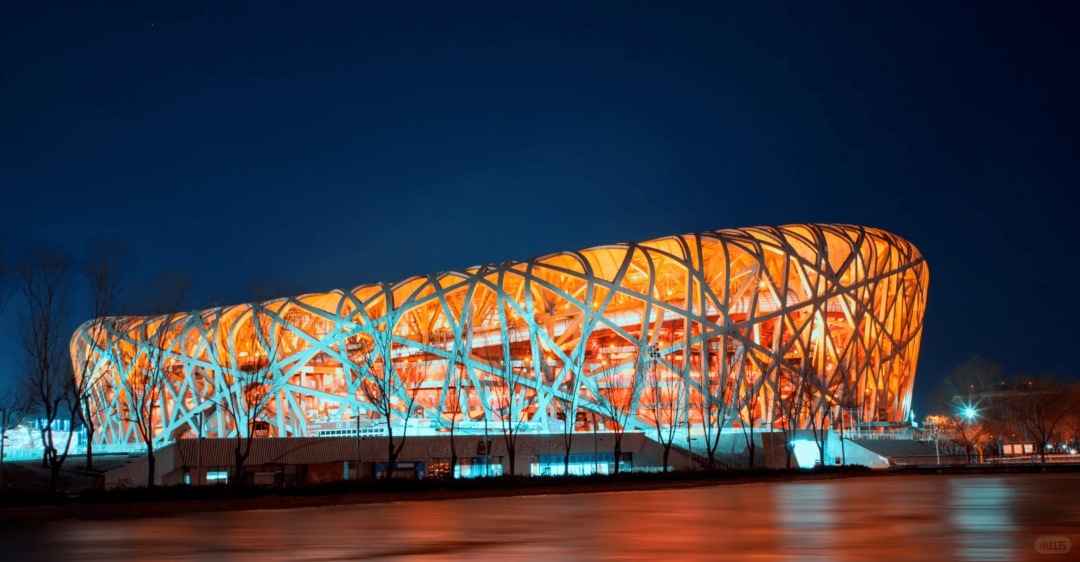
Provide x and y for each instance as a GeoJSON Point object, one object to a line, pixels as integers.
{"type": "Point", "coordinates": [768, 329]}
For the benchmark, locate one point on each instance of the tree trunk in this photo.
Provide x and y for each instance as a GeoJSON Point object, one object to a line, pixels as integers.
{"type": "Point", "coordinates": [150, 465]}
{"type": "Point", "coordinates": [568, 443]}
{"type": "Point", "coordinates": [823, 440]}
{"type": "Point", "coordinates": [618, 453]}
{"type": "Point", "coordinates": [89, 445]}
{"type": "Point", "coordinates": [751, 447]}
{"type": "Point", "coordinates": [487, 449]}
{"type": "Point", "coordinates": [391, 458]}
{"type": "Point", "coordinates": [46, 445]}
{"type": "Point", "coordinates": [453, 453]}
{"type": "Point", "coordinates": [239, 467]}
{"type": "Point", "coordinates": [667, 453]}
{"type": "Point", "coordinates": [843, 451]}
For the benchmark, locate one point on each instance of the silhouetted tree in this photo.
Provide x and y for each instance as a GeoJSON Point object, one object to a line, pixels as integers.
{"type": "Point", "coordinates": [713, 400]}
{"type": "Point", "coordinates": [748, 385]}
{"type": "Point", "coordinates": [454, 409]}
{"type": "Point", "coordinates": [972, 433]}
{"type": "Point", "coordinates": [791, 401]}
{"type": "Point", "coordinates": [619, 405]}
{"type": "Point", "coordinates": [45, 328]}
{"type": "Point", "coordinates": [666, 404]}
{"type": "Point", "coordinates": [105, 270]}
{"type": "Point", "coordinates": [248, 370]}
{"type": "Point", "coordinates": [966, 383]}
{"type": "Point", "coordinates": [150, 365]}
{"type": "Point", "coordinates": [388, 389]}
{"type": "Point", "coordinates": [14, 406]}
{"type": "Point", "coordinates": [1040, 408]}
{"type": "Point", "coordinates": [824, 389]}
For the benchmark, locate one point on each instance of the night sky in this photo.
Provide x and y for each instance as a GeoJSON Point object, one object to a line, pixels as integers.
{"type": "Point", "coordinates": [315, 147]}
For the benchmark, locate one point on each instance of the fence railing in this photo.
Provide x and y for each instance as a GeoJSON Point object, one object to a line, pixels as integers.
{"type": "Point", "coordinates": [1034, 459]}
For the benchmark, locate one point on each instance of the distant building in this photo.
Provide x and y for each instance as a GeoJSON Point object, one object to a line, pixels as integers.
{"type": "Point", "coordinates": [693, 331]}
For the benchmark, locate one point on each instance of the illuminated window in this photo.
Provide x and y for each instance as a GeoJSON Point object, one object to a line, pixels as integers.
{"type": "Point", "coordinates": [217, 476]}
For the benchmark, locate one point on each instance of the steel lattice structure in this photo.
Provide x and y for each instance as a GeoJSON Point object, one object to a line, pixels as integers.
{"type": "Point", "coordinates": [728, 315]}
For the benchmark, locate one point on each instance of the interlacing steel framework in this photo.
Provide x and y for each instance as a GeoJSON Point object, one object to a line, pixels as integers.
{"type": "Point", "coordinates": [685, 327]}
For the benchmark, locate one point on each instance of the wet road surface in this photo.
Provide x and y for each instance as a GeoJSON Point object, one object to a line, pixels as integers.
{"type": "Point", "coordinates": [885, 518]}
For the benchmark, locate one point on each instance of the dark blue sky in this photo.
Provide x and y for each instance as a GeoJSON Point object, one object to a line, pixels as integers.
{"type": "Point", "coordinates": [326, 146]}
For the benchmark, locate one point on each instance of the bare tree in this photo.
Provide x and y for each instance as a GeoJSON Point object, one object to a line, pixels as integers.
{"type": "Point", "coordinates": [791, 402]}
{"type": "Point", "coordinates": [148, 370]}
{"type": "Point", "coordinates": [713, 400]}
{"type": "Point", "coordinates": [249, 377]}
{"type": "Point", "coordinates": [967, 382]}
{"type": "Point", "coordinates": [569, 420]}
{"type": "Point", "coordinates": [749, 399]}
{"type": "Point", "coordinates": [571, 407]}
{"type": "Point", "coordinates": [1040, 409]}
{"type": "Point", "coordinates": [450, 408]}
{"type": "Point", "coordinates": [619, 405]}
{"type": "Point", "coordinates": [13, 403]}
{"type": "Point", "coordinates": [149, 364]}
{"type": "Point", "coordinates": [455, 410]}
{"type": "Point", "coordinates": [1071, 424]}
{"type": "Point", "coordinates": [390, 391]}
{"type": "Point", "coordinates": [665, 405]}
{"type": "Point", "coordinates": [454, 404]}
{"type": "Point", "coordinates": [847, 400]}
{"type": "Point", "coordinates": [507, 385]}
{"type": "Point", "coordinates": [823, 387]}
{"type": "Point", "coordinates": [14, 407]}
{"type": "Point", "coordinates": [105, 270]}
{"type": "Point", "coordinates": [972, 433]}
{"type": "Point", "coordinates": [45, 285]}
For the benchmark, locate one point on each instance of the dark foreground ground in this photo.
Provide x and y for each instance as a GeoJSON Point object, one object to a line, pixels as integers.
{"type": "Point", "coordinates": [30, 508]}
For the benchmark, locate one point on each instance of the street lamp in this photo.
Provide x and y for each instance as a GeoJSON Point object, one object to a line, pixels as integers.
{"type": "Point", "coordinates": [969, 413]}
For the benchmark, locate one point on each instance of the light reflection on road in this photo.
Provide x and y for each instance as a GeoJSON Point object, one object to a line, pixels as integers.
{"type": "Point", "coordinates": [887, 518]}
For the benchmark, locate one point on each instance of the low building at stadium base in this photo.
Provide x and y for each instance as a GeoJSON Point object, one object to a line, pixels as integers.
{"type": "Point", "coordinates": [692, 337]}
{"type": "Point", "coordinates": [304, 461]}
{"type": "Point", "coordinates": [300, 461]}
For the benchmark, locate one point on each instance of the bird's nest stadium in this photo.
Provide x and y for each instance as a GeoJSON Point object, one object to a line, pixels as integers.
{"type": "Point", "coordinates": [758, 327]}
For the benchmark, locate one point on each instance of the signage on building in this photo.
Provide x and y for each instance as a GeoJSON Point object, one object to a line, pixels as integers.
{"type": "Point", "coordinates": [1019, 449]}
